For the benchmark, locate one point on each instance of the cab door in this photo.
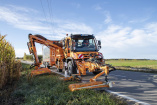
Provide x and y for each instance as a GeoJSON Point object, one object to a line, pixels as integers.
{"type": "Point", "coordinates": [67, 48]}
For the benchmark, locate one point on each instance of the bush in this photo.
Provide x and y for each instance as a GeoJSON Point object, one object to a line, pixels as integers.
{"type": "Point", "coordinates": [30, 57]}
{"type": "Point", "coordinates": [9, 67]}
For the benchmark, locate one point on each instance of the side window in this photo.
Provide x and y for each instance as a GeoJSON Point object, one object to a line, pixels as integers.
{"type": "Point", "coordinates": [80, 43]}
{"type": "Point", "coordinates": [90, 41]}
{"type": "Point", "coordinates": [68, 45]}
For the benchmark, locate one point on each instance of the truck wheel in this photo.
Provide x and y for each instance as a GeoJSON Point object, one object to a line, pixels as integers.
{"type": "Point", "coordinates": [96, 72]}
{"type": "Point", "coordinates": [48, 67]}
{"type": "Point", "coordinates": [58, 70]}
{"type": "Point", "coordinates": [71, 68]}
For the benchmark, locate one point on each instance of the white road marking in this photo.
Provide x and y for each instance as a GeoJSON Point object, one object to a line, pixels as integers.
{"type": "Point", "coordinates": [126, 97]}
{"type": "Point", "coordinates": [117, 75]}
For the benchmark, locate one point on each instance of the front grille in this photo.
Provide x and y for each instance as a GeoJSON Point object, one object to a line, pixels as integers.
{"type": "Point", "coordinates": [88, 55]}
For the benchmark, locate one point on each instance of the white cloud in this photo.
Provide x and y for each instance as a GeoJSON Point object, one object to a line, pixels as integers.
{"type": "Point", "coordinates": [106, 13]}
{"type": "Point", "coordinates": [141, 20]}
{"type": "Point", "coordinates": [117, 41]}
{"type": "Point", "coordinates": [77, 27]}
{"type": "Point", "coordinates": [151, 30]}
{"type": "Point", "coordinates": [128, 42]}
{"type": "Point", "coordinates": [20, 18]}
{"type": "Point", "coordinates": [23, 21]}
{"type": "Point", "coordinates": [22, 9]}
{"type": "Point", "coordinates": [113, 36]}
{"type": "Point", "coordinates": [108, 17]}
{"type": "Point", "coordinates": [97, 7]}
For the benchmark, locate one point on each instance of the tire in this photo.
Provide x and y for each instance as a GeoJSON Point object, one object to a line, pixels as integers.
{"type": "Point", "coordinates": [71, 68]}
{"type": "Point", "coordinates": [96, 72]}
{"type": "Point", "coordinates": [58, 70]}
{"type": "Point", "coordinates": [45, 64]}
{"type": "Point", "coordinates": [48, 67]}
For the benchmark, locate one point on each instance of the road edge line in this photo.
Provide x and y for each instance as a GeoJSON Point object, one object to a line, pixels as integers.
{"type": "Point", "coordinates": [117, 94]}
{"type": "Point", "coordinates": [126, 97]}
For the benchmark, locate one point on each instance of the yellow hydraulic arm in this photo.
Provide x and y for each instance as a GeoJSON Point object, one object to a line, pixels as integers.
{"type": "Point", "coordinates": [82, 66]}
{"type": "Point", "coordinates": [93, 83]}
{"type": "Point", "coordinates": [32, 49]}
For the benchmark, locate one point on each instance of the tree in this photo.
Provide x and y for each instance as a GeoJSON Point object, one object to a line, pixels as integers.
{"type": "Point", "coordinates": [25, 56]}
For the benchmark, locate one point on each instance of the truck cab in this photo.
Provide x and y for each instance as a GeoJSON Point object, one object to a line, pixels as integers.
{"type": "Point", "coordinates": [80, 43]}
{"type": "Point", "coordinates": [80, 47]}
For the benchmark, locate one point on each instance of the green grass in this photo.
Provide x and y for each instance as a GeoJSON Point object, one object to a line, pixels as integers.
{"type": "Point", "coordinates": [152, 64]}
{"type": "Point", "coordinates": [44, 90]}
{"type": "Point", "coordinates": [50, 90]}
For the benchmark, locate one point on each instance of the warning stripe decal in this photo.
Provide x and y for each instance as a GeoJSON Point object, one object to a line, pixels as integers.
{"type": "Point", "coordinates": [80, 56]}
{"type": "Point", "coordinates": [100, 55]}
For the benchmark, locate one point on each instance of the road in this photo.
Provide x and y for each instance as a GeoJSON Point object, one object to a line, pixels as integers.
{"type": "Point", "coordinates": [138, 85]}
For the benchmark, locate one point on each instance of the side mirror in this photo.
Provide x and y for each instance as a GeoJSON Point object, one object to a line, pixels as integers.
{"type": "Point", "coordinates": [99, 44]}
{"type": "Point", "coordinates": [63, 43]}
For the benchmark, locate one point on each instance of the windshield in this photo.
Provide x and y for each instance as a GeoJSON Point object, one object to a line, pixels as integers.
{"type": "Point", "coordinates": [83, 44]}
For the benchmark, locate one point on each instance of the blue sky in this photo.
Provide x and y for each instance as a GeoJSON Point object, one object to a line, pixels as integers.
{"type": "Point", "coordinates": [127, 28]}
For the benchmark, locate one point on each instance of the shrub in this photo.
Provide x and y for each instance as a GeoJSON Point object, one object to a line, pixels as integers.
{"type": "Point", "coordinates": [30, 57]}
{"type": "Point", "coordinates": [9, 67]}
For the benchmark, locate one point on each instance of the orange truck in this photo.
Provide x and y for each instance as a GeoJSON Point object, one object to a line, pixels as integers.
{"type": "Point", "coordinates": [76, 53]}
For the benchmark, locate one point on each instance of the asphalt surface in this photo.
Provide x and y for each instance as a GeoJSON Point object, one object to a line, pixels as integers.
{"type": "Point", "coordinates": [137, 85]}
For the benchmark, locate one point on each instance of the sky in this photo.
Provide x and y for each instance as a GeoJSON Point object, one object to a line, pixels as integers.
{"type": "Point", "coordinates": [126, 28]}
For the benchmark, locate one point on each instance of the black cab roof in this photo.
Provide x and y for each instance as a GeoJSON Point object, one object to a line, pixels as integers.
{"type": "Point", "coordinates": [73, 36]}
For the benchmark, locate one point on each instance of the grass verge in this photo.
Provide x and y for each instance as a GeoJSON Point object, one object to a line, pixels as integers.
{"type": "Point", "coordinates": [6, 91]}
{"type": "Point", "coordinates": [136, 65]}
{"type": "Point", "coordinates": [50, 90]}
